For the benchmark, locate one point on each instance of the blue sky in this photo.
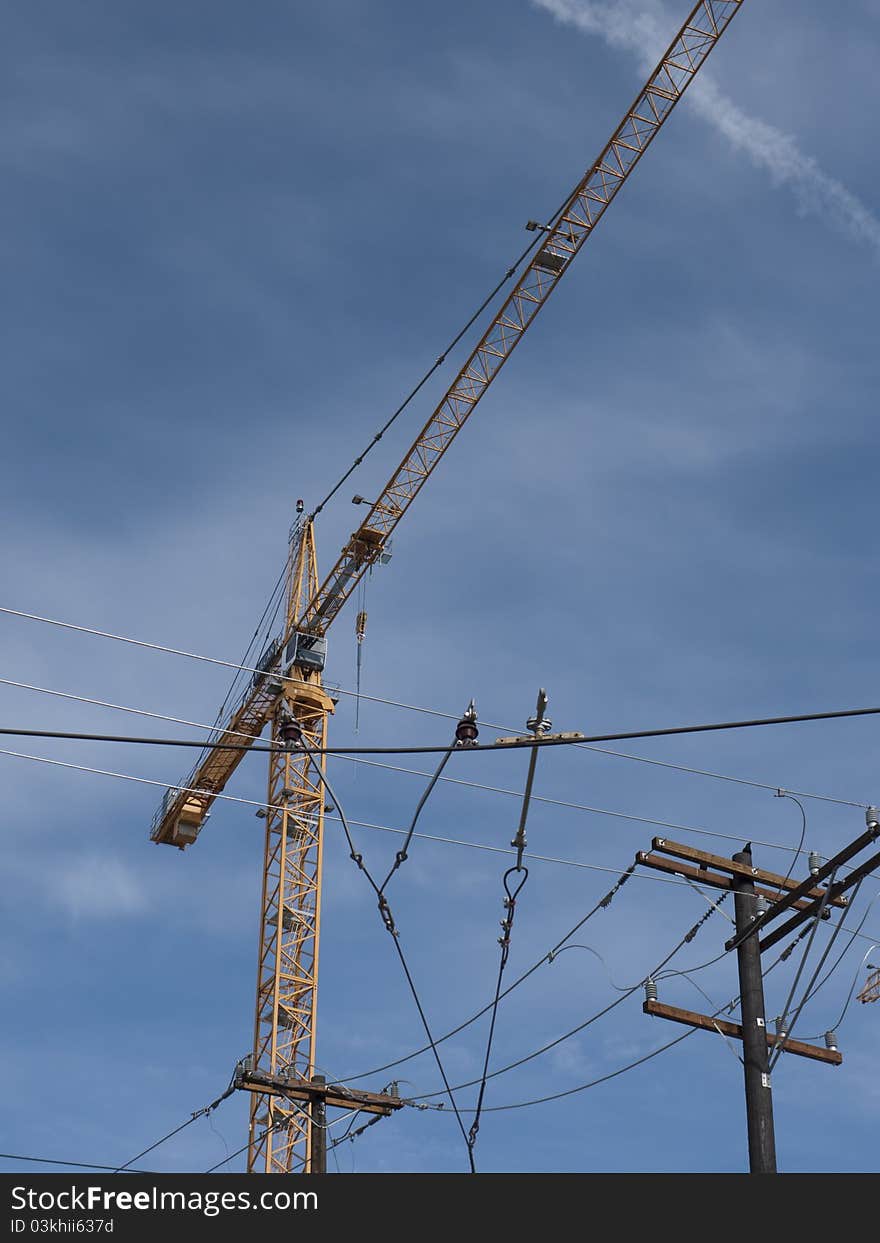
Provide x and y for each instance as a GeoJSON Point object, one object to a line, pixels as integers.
{"type": "Point", "coordinates": [232, 241]}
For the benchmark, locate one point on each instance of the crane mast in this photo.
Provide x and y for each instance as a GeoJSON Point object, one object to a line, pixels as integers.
{"type": "Point", "coordinates": [287, 972]}
{"type": "Point", "coordinates": [287, 684]}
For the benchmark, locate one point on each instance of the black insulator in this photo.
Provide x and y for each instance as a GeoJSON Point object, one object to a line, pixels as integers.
{"type": "Point", "coordinates": [466, 731]}
{"type": "Point", "coordinates": [290, 731]}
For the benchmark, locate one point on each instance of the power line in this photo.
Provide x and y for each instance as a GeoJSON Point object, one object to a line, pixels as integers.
{"type": "Point", "coordinates": [103, 703]}
{"type": "Point", "coordinates": [602, 904]}
{"type": "Point", "coordinates": [515, 743]}
{"type": "Point", "coordinates": [513, 881]}
{"type": "Point", "coordinates": [781, 1041]}
{"type": "Point", "coordinates": [811, 993]}
{"type": "Point", "coordinates": [555, 1096]}
{"type": "Point", "coordinates": [558, 802]}
{"type": "Point", "coordinates": [704, 772]}
{"type": "Point", "coordinates": [82, 1165]}
{"type": "Point", "coordinates": [200, 1113]}
{"type": "Point", "coordinates": [640, 759]}
{"type": "Point", "coordinates": [599, 811]}
{"type": "Point", "coordinates": [384, 828]}
{"type": "Point", "coordinates": [686, 939]}
{"type": "Point", "coordinates": [390, 927]}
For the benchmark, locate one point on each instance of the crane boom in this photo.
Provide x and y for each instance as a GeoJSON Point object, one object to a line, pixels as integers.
{"type": "Point", "coordinates": [185, 807]}
{"type": "Point", "coordinates": [571, 227]}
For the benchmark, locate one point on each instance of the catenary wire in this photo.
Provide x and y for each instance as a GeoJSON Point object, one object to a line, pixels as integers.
{"type": "Point", "coordinates": [624, 755]}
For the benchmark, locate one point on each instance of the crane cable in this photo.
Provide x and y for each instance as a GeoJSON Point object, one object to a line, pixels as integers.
{"type": "Point", "coordinates": [508, 275]}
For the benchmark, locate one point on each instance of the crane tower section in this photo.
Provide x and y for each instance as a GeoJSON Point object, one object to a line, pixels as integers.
{"type": "Point", "coordinates": [287, 971]}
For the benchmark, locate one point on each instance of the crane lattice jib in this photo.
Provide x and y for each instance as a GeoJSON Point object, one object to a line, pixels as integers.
{"type": "Point", "coordinates": [178, 820]}
{"type": "Point", "coordinates": [563, 239]}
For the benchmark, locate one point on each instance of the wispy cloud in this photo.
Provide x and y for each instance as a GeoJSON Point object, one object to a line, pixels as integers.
{"type": "Point", "coordinates": [644, 28]}
{"type": "Point", "coordinates": [95, 887]}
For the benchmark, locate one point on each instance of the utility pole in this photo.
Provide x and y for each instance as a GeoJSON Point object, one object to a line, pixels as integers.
{"type": "Point", "coordinates": [319, 1131]}
{"type": "Point", "coordinates": [756, 1057]}
{"type": "Point", "coordinates": [311, 1099]}
{"type": "Point", "coordinates": [809, 900]}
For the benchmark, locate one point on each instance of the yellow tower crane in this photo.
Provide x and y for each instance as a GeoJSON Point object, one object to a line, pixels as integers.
{"type": "Point", "coordinates": [287, 690]}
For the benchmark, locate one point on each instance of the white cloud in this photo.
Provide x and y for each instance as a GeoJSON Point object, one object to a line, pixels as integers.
{"type": "Point", "coordinates": [644, 28]}
{"type": "Point", "coordinates": [94, 887]}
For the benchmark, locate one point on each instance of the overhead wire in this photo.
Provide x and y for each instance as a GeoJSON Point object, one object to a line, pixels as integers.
{"type": "Point", "coordinates": [82, 1165]}
{"type": "Point", "coordinates": [390, 927]}
{"type": "Point", "coordinates": [624, 755]}
{"type": "Point", "coordinates": [837, 1026]}
{"type": "Point", "coordinates": [513, 881]}
{"type": "Point", "coordinates": [686, 939]}
{"type": "Point", "coordinates": [794, 799]}
{"type": "Point", "coordinates": [853, 933]}
{"type": "Point", "coordinates": [474, 785]}
{"type": "Point", "coordinates": [814, 928]}
{"type": "Point", "coordinates": [199, 1113]}
{"type": "Point", "coordinates": [515, 743]}
{"type": "Point", "coordinates": [276, 590]}
{"type": "Point", "coordinates": [384, 828]}
{"type": "Point", "coordinates": [623, 1069]}
{"type": "Point", "coordinates": [602, 904]}
{"type": "Point", "coordinates": [781, 1042]}
{"type": "Point", "coordinates": [402, 855]}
